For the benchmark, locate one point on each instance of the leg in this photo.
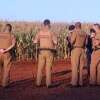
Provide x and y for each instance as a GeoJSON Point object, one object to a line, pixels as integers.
{"type": "Point", "coordinates": [97, 54]}
{"type": "Point", "coordinates": [93, 69]}
{"type": "Point", "coordinates": [0, 73]}
{"type": "Point", "coordinates": [41, 63]}
{"type": "Point", "coordinates": [6, 69]}
{"type": "Point", "coordinates": [82, 64]}
{"type": "Point", "coordinates": [1, 66]}
{"type": "Point", "coordinates": [49, 61]}
{"type": "Point", "coordinates": [88, 64]}
{"type": "Point", "coordinates": [98, 73]}
{"type": "Point", "coordinates": [75, 63]}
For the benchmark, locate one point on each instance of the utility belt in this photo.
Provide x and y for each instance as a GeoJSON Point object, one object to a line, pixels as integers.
{"type": "Point", "coordinates": [96, 49]}
{"type": "Point", "coordinates": [47, 49]}
{"type": "Point", "coordinates": [78, 47]}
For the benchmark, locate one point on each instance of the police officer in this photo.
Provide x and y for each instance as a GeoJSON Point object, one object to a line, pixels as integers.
{"type": "Point", "coordinates": [78, 41]}
{"type": "Point", "coordinates": [47, 41]}
{"type": "Point", "coordinates": [69, 47]}
{"type": "Point", "coordinates": [95, 58]}
{"type": "Point", "coordinates": [89, 49]}
{"type": "Point", "coordinates": [7, 42]}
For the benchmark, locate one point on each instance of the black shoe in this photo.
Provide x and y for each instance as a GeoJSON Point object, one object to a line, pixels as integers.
{"type": "Point", "coordinates": [69, 85]}
{"type": "Point", "coordinates": [81, 85]}
{"type": "Point", "coordinates": [54, 85]}
{"type": "Point", "coordinates": [6, 87]}
{"type": "Point", "coordinates": [39, 86]}
{"type": "Point", "coordinates": [51, 86]}
{"type": "Point", "coordinates": [98, 85]}
{"type": "Point", "coordinates": [92, 85]}
{"type": "Point", "coordinates": [73, 86]}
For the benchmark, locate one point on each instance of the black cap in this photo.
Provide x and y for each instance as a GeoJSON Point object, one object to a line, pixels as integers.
{"type": "Point", "coordinates": [71, 27]}
{"type": "Point", "coordinates": [46, 22]}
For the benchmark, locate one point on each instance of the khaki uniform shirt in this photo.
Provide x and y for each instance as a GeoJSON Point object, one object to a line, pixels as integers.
{"type": "Point", "coordinates": [96, 41]}
{"type": "Point", "coordinates": [5, 40]}
{"type": "Point", "coordinates": [78, 39]}
{"type": "Point", "coordinates": [46, 39]}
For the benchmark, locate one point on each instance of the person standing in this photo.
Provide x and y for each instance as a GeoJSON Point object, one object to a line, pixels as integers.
{"type": "Point", "coordinates": [69, 47]}
{"type": "Point", "coordinates": [7, 42]}
{"type": "Point", "coordinates": [47, 41]}
{"type": "Point", "coordinates": [78, 42]}
{"type": "Point", "coordinates": [95, 58]}
{"type": "Point", "coordinates": [89, 49]}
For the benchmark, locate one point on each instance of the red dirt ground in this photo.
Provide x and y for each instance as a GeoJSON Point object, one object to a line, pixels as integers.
{"type": "Point", "coordinates": [22, 87]}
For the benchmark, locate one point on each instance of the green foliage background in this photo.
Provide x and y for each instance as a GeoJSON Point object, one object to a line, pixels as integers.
{"type": "Point", "coordinates": [25, 31]}
{"type": "Point", "coordinates": [25, 49]}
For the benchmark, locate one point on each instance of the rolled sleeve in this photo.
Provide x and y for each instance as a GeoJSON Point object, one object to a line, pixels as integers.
{"type": "Point", "coordinates": [54, 38]}
{"type": "Point", "coordinates": [73, 38]}
{"type": "Point", "coordinates": [36, 40]}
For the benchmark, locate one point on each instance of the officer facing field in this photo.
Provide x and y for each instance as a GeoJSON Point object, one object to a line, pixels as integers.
{"type": "Point", "coordinates": [7, 42]}
{"type": "Point", "coordinates": [78, 42]}
{"type": "Point", "coordinates": [95, 58]}
{"type": "Point", "coordinates": [89, 49]}
{"type": "Point", "coordinates": [69, 47]}
{"type": "Point", "coordinates": [47, 41]}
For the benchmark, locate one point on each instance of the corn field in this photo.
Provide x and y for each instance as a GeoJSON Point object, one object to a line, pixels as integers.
{"type": "Point", "coordinates": [25, 31]}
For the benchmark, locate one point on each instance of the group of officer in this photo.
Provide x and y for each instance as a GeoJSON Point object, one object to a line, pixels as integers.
{"type": "Point", "coordinates": [84, 48]}
{"type": "Point", "coordinates": [78, 41]}
{"type": "Point", "coordinates": [85, 52]}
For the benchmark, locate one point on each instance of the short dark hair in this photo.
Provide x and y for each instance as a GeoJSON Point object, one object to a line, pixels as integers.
{"type": "Point", "coordinates": [98, 25]}
{"type": "Point", "coordinates": [78, 24]}
{"type": "Point", "coordinates": [10, 27]}
{"type": "Point", "coordinates": [71, 27]}
{"type": "Point", "coordinates": [92, 30]}
{"type": "Point", "coordinates": [46, 22]}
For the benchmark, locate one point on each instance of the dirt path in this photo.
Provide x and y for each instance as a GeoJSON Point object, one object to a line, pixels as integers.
{"type": "Point", "coordinates": [22, 85]}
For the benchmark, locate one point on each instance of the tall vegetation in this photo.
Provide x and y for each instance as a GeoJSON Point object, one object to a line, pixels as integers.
{"type": "Point", "coordinates": [25, 31]}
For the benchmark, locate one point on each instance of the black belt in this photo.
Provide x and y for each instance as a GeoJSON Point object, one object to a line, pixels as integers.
{"type": "Point", "coordinates": [96, 49]}
{"type": "Point", "coordinates": [78, 47]}
{"type": "Point", "coordinates": [47, 49]}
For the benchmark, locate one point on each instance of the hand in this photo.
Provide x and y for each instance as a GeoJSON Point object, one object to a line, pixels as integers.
{"type": "Point", "coordinates": [2, 51]}
{"type": "Point", "coordinates": [92, 35]}
{"type": "Point", "coordinates": [96, 42]}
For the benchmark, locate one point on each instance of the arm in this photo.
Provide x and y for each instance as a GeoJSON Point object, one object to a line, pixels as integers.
{"type": "Point", "coordinates": [13, 44]}
{"type": "Point", "coordinates": [54, 38]}
{"type": "Point", "coordinates": [36, 40]}
{"type": "Point", "coordinates": [96, 42]}
{"type": "Point", "coordinates": [73, 38]}
{"type": "Point", "coordinates": [87, 42]}
{"type": "Point", "coordinates": [99, 42]}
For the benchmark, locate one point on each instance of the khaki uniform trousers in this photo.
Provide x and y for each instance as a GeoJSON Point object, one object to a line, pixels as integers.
{"type": "Point", "coordinates": [95, 68]}
{"type": "Point", "coordinates": [5, 65]}
{"type": "Point", "coordinates": [45, 60]}
{"type": "Point", "coordinates": [78, 62]}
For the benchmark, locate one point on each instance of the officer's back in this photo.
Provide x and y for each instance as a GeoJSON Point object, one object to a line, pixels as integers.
{"type": "Point", "coordinates": [80, 39]}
